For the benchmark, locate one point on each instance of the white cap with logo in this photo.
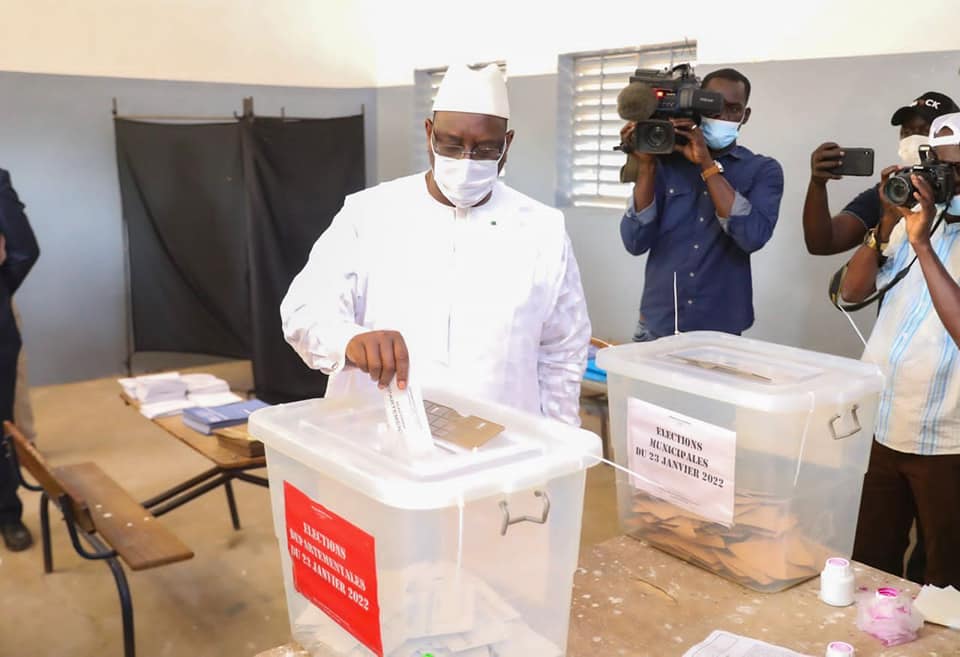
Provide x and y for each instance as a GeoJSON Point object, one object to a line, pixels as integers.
{"type": "Point", "coordinates": [951, 121]}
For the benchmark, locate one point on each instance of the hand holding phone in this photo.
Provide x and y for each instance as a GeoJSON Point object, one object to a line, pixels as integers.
{"type": "Point", "coordinates": [855, 162]}
{"type": "Point", "coordinates": [831, 162]}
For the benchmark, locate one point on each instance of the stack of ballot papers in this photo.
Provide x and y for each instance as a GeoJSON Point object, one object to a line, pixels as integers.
{"type": "Point", "coordinates": [207, 419]}
{"type": "Point", "coordinates": [169, 393]}
{"type": "Point", "coordinates": [155, 387]}
{"type": "Point", "coordinates": [940, 606]}
{"type": "Point", "coordinates": [436, 609]}
{"type": "Point", "coordinates": [208, 390]}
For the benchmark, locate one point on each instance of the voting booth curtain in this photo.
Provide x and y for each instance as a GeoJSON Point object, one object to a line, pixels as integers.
{"type": "Point", "coordinates": [219, 218]}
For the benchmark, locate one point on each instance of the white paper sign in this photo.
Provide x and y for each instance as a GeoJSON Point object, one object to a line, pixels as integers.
{"type": "Point", "coordinates": [682, 460]}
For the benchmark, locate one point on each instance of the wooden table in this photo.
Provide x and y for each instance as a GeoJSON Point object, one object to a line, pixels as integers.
{"type": "Point", "coordinates": [631, 600]}
{"type": "Point", "coordinates": [227, 466]}
{"type": "Point", "coordinates": [634, 598]}
{"type": "Point", "coordinates": [208, 446]}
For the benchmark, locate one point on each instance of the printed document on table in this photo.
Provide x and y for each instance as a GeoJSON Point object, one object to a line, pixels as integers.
{"type": "Point", "coordinates": [724, 644]}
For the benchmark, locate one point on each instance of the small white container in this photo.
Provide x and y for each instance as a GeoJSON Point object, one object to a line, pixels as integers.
{"type": "Point", "coordinates": [384, 554]}
{"type": "Point", "coordinates": [837, 582]}
{"type": "Point", "coordinates": [840, 649]}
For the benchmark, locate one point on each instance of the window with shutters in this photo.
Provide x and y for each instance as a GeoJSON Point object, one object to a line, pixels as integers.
{"type": "Point", "coordinates": [426, 82]}
{"type": "Point", "coordinates": [588, 124]}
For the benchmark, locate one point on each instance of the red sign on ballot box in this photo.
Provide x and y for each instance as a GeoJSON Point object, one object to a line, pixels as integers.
{"type": "Point", "coordinates": [334, 566]}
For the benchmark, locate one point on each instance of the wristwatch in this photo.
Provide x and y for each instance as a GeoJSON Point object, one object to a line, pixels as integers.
{"type": "Point", "coordinates": [712, 171]}
{"type": "Point", "coordinates": [872, 242]}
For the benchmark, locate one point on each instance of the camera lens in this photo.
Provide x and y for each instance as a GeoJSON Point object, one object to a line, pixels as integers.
{"type": "Point", "coordinates": [656, 137]}
{"type": "Point", "coordinates": [897, 190]}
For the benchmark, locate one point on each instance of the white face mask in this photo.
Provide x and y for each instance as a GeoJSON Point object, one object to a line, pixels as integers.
{"type": "Point", "coordinates": [909, 150]}
{"type": "Point", "coordinates": [465, 182]}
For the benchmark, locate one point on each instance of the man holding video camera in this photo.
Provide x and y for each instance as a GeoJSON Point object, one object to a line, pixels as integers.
{"type": "Point", "coordinates": [700, 212]}
{"type": "Point", "coordinates": [861, 218]}
{"type": "Point", "coordinates": [914, 469]}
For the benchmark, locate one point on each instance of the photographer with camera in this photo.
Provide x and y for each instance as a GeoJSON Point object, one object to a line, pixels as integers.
{"type": "Point", "coordinates": [700, 211]}
{"type": "Point", "coordinates": [864, 218]}
{"type": "Point", "coordinates": [914, 466]}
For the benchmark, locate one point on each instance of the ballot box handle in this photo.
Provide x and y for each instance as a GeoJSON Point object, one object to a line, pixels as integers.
{"type": "Point", "coordinates": [856, 424]}
{"type": "Point", "coordinates": [507, 520]}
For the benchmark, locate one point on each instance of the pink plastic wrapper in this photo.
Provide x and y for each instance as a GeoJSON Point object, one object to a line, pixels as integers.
{"type": "Point", "coordinates": [888, 615]}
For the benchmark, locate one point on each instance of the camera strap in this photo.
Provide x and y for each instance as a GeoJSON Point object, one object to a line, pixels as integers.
{"type": "Point", "coordinates": [838, 277]}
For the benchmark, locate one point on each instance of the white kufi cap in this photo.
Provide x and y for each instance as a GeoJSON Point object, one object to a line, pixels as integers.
{"type": "Point", "coordinates": [473, 92]}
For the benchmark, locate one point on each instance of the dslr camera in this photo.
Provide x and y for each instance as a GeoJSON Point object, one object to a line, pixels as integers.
{"type": "Point", "coordinates": [678, 95]}
{"type": "Point", "coordinates": [899, 188]}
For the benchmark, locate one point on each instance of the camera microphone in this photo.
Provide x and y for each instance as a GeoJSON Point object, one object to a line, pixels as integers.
{"type": "Point", "coordinates": [636, 102]}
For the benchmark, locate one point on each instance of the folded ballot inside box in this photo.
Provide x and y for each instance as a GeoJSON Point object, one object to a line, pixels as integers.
{"type": "Point", "coordinates": [766, 547]}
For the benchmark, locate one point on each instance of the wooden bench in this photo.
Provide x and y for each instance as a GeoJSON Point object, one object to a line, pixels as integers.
{"type": "Point", "coordinates": [99, 511]}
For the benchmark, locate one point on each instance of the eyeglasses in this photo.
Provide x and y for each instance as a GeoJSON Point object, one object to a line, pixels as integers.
{"type": "Point", "coordinates": [457, 152]}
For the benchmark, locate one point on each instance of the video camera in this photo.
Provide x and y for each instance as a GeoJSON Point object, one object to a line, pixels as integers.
{"type": "Point", "coordinates": [675, 93]}
{"type": "Point", "coordinates": [899, 188]}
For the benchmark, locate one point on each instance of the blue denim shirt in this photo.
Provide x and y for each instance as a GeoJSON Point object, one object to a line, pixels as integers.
{"type": "Point", "coordinates": [710, 255]}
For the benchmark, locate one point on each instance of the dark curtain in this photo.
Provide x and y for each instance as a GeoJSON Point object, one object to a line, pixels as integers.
{"type": "Point", "coordinates": [219, 219]}
{"type": "Point", "coordinates": [297, 174]}
{"type": "Point", "coordinates": [182, 191]}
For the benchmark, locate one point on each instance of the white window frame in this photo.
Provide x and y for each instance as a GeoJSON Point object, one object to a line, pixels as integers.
{"type": "Point", "coordinates": [426, 82]}
{"type": "Point", "coordinates": [588, 83]}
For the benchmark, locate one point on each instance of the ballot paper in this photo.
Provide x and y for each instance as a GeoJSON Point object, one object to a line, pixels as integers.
{"type": "Point", "coordinates": [407, 416]}
{"type": "Point", "coordinates": [433, 608]}
{"type": "Point", "coordinates": [939, 605]}
{"type": "Point", "coordinates": [725, 644]}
